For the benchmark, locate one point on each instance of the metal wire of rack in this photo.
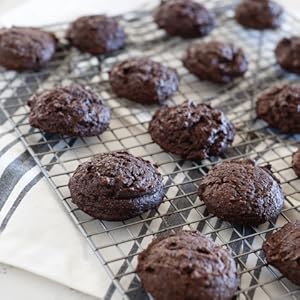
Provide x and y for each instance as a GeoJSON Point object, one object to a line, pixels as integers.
{"type": "Point", "coordinates": [117, 244]}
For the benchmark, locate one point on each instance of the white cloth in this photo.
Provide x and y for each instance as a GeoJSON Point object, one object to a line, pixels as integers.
{"type": "Point", "coordinates": [40, 238]}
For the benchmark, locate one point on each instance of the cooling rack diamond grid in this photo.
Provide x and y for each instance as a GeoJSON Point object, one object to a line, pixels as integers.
{"type": "Point", "coordinates": [117, 244]}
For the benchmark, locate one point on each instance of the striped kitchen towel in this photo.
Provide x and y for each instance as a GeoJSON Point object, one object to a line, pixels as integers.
{"type": "Point", "coordinates": [36, 233]}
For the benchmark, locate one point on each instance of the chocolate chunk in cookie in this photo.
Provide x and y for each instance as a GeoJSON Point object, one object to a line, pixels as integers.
{"type": "Point", "coordinates": [26, 48]}
{"type": "Point", "coordinates": [259, 14]}
{"type": "Point", "coordinates": [282, 250]}
{"type": "Point", "coordinates": [193, 131]}
{"type": "Point", "coordinates": [287, 54]}
{"type": "Point", "coordinates": [184, 18]}
{"type": "Point", "coordinates": [280, 107]}
{"type": "Point", "coordinates": [187, 266]}
{"type": "Point", "coordinates": [216, 61]}
{"type": "Point", "coordinates": [296, 162]}
{"type": "Point", "coordinates": [96, 34]}
{"type": "Point", "coordinates": [241, 192]}
{"type": "Point", "coordinates": [143, 80]}
{"type": "Point", "coordinates": [74, 110]}
{"type": "Point", "coordinates": [116, 186]}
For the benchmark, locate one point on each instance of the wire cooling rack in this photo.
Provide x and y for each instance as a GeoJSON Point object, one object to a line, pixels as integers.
{"type": "Point", "coordinates": [117, 244]}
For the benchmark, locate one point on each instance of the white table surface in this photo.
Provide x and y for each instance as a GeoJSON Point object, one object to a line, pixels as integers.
{"type": "Point", "coordinates": [17, 284]}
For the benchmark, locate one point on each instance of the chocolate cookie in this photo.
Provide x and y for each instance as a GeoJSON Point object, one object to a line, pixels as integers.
{"type": "Point", "coordinates": [215, 61]}
{"type": "Point", "coordinates": [241, 192]}
{"type": "Point", "coordinates": [282, 250]}
{"type": "Point", "coordinates": [287, 54]}
{"type": "Point", "coordinates": [97, 34]}
{"type": "Point", "coordinates": [143, 80]}
{"type": "Point", "coordinates": [187, 266]}
{"type": "Point", "coordinates": [74, 110]}
{"type": "Point", "coordinates": [193, 131]}
{"type": "Point", "coordinates": [259, 14]}
{"type": "Point", "coordinates": [116, 186]}
{"type": "Point", "coordinates": [296, 162]}
{"type": "Point", "coordinates": [280, 107]}
{"type": "Point", "coordinates": [184, 18]}
{"type": "Point", "coordinates": [25, 48]}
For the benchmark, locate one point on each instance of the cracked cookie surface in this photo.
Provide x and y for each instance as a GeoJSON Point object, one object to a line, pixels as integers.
{"type": "Point", "coordinates": [184, 18]}
{"type": "Point", "coordinates": [259, 14]}
{"type": "Point", "coordinates": [26, 48]}
{"type": "Point", "coordinates": [280, 107]}
{"type": "Point", "coordinates": [296, 162]}
{"type": "Point", "coordinates": [96, 34]}
{"type": "Point", "coordinates": [287, 53]}
{"type": "Point", "coordinates": [187, 265]}
{"type": "Point", "coordinates": [73, 110]}
{"type": "Point", "coordinates": [143, 80]}
{"type": "Point", "coordinates": [282, 250]}
{"type": "Point", "coordinates": [241, 192]}
{"type": "Point", "coordinates": [193, 131]}
{"type": "Point", "coordinates": [116, 186]}
{"type": "Point", "coordinates": [215, 61]}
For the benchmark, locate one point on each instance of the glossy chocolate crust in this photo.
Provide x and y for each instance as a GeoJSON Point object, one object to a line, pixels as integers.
{"type": "Point", "coordinates": [280, 107]}
{"type": "Point", "coordinates": [282, 250]}
{"type": "Point", "coordinates": [73, 110]}
{"type": "Point", "coordinates": [143, 80]}
{"type": "Point", "coordinates": [193, 131]}
{"type": "Point", "coordinates": [187, 266]}
{"type": "Point", "coordinates": [184, 18]}
{"type": "Point", "coordinates": [116, 186]}
{"type": "Point", "coordinates": [215, 61]}
{"type": "Point", "coordinates": [241, 192]}
{"type": "Point", "coordinates": [259, 14]}
{"type": "Point", "coordinates": [96, 34]}
{"type": "Point", "coordinates": [26, 48]}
